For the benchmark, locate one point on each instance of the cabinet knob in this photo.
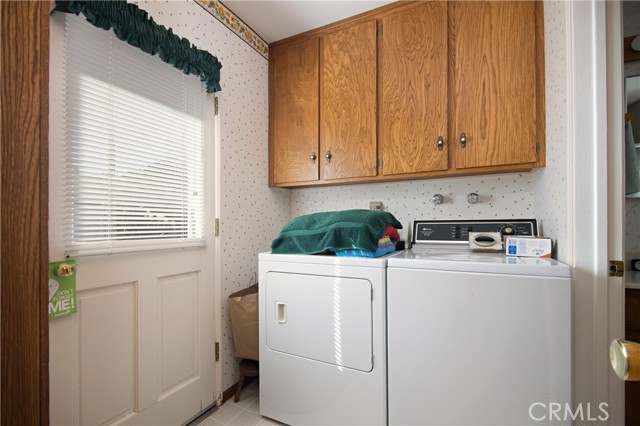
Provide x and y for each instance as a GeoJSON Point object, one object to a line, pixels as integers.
{"type": "Point", "coordinates": [440, 143]}
{"type": "Point", "coordinates": [328, 156]}
{"type": "Point", "coordinates": [313, 156]}
{"type": "Point", "coordinates": [463, 139]}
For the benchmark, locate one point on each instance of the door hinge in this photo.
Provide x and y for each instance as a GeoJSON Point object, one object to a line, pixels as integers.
{"type": "Point", "coordinates": [217, 351]}
{"type": "Point", "coordinates": [215, 106]}
{"type": "Point", "coordinates": [537, 148]}
{"type": "Point", "coordinates": [379, 30]}
{"type": "Point", "coordinates": [216, 231]}
{"type": "Point", "coordinates": [616, 268]}
{"type": "Point", "coordinates": [380, 164]}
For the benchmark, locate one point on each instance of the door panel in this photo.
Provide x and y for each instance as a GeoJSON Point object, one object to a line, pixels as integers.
{"type": "Point", "coordinates": [494, 83]}
{"type": "Point", "coordinates": [179, 327]}
{"type": "Point", "coordinates": [144, 330]}
{"type": "Point", "coordinates": [107, 318]}
{"type": "Point", "coordinates": [294, 110]}
{"type": "Point", "coordinates": [348, 102]}
{"type": "Point", "coordinates": [299, 323]}
{"type": "Point", "coordinates": [414, 78]}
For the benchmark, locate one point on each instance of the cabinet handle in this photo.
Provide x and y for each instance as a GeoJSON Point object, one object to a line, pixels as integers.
{"type": "Point", "coordinates": [440, 143]}
{"type": "Point", "coordinates": [313, 156]}
{"type": "Point", "coordinates": [463, 140]}
{"type": "Point", "coordinates": [328, 156]}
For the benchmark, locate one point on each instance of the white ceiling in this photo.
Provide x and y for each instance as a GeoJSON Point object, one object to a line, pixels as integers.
{"type": "Point", "coordinates": [275, 20]}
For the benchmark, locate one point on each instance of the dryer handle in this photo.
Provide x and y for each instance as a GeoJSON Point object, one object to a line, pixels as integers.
{"type": "Point", "coordinates": [281, 312]}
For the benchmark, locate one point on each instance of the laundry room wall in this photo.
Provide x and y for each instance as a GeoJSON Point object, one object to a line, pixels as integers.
{"type": "Point", "coordinates": [501, 196]}
{"type": "Point", "coordinates": [251, 213]}
{"type": "Point", "coordinates": [541, 194]}
{"type": "Point", "coordinates": [551, 199]}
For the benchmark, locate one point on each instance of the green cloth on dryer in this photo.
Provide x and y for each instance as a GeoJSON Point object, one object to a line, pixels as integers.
{"type": "Point", "coordinates": [341, 230]}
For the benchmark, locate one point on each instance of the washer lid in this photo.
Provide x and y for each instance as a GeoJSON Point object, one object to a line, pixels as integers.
{"type": "Point", "coordinates": [464, 261]}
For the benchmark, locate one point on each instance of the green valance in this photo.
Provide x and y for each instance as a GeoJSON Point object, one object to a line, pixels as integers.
{"type": "Point", "coordinates": [133, 25]}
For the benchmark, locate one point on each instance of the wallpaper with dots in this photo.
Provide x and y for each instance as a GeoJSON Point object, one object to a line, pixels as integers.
{"type": "Point", "coordinates": [251, 213]}
{"type": "Point", "coordinates": [501, 196]}
{"type": "Point", "coordinates": [551, 191]}
{"type": "Point", "coordinates": [540, 194]}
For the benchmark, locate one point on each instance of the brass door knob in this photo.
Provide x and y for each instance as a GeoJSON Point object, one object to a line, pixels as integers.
{"type": "Point", "coordinates": [625, 359]}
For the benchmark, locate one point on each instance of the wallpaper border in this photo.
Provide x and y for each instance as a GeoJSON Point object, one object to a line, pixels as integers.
{"type": "Point", "coordinates": [236, 25]}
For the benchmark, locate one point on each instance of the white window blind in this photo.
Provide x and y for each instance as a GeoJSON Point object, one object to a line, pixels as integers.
{"type": "Point", "coordinates": [134, 148]}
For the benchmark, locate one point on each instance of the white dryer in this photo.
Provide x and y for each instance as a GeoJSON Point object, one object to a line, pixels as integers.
{"type": "Point", "coordinates": [323, 339]}
{"type": "Point", "coordinates": [476, 338]}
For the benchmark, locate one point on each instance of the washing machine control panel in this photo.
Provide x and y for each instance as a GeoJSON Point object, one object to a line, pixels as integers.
{"type": "Point", "coordinates": [457, 232]}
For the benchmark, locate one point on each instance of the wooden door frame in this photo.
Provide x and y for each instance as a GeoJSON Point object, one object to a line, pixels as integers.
{"type": "Point", "coordinates": [24, 169]}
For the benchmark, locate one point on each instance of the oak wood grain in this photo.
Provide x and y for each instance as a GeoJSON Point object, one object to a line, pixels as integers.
{"type": "Point", "coordinates": [413, 85]}
{"type": "Point", "coordinates": [24, 212]}
{"type": "Point", "coordinates": [494, 82]}
{"type": "Point", "coordinates": [632, 333]}
{"type": "Point", "coordinates": [541, 122]}
{"type": "Point", "coordinates": [511, 168]}
{"type": "Point", "coordinates": [376, 13]}
{"type": "Point", "coordinates": [348, 112]}
{"type": "Point", "coordinates": [294, 112]}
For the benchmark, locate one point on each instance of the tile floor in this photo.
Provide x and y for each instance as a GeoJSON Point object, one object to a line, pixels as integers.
{"type": "Point", "coordinates": [245, 412]}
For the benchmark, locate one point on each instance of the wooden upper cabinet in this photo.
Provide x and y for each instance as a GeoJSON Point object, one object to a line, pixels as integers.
{"type": "Point", "coordinates": [371, 96]}
{"type": "Point", "coordinates": [293, 97]}
{"type": "Point", "coordinates": [348, 102]}
{"type": "Point", "coordinates": [413, 86]}
{"type": "Point", "coordinates": [495, 75]}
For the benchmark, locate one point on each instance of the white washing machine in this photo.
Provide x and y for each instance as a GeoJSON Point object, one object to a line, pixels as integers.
{"type": "Point", "coordinates": [476, 338]}
{"type": "Point", "coordinates": [323, 339]}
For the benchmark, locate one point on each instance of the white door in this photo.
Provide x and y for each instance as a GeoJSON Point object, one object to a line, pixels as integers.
{"type": "Point", "coordinates": [597, 207]}
{"type": "Point", "coordinates": [140, 350]}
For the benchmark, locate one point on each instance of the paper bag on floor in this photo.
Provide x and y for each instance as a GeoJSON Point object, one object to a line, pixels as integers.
{"type": "Point", "coordinates": [243, 310]}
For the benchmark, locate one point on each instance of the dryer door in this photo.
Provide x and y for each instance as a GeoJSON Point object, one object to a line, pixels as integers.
{"type": "Point", "coordinates": [323, 318]}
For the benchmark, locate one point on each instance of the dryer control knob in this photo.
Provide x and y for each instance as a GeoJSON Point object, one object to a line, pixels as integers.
{"type": "Point", "coordinates": [508, 230]}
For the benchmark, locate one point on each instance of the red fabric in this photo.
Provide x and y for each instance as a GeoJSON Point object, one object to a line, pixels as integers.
{"type": "Point", "coordinates": [391, 232]}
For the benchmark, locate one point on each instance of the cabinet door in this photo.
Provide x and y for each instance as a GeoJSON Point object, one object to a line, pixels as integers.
{"type": "Point", "coordinates": [294, 112]}
{"type": "Point", "coordinates": [494, 82]}
{"type": "Point", "coordinates": [348, 102]}
{"type": "Point", "coordinates": [414, 88]}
